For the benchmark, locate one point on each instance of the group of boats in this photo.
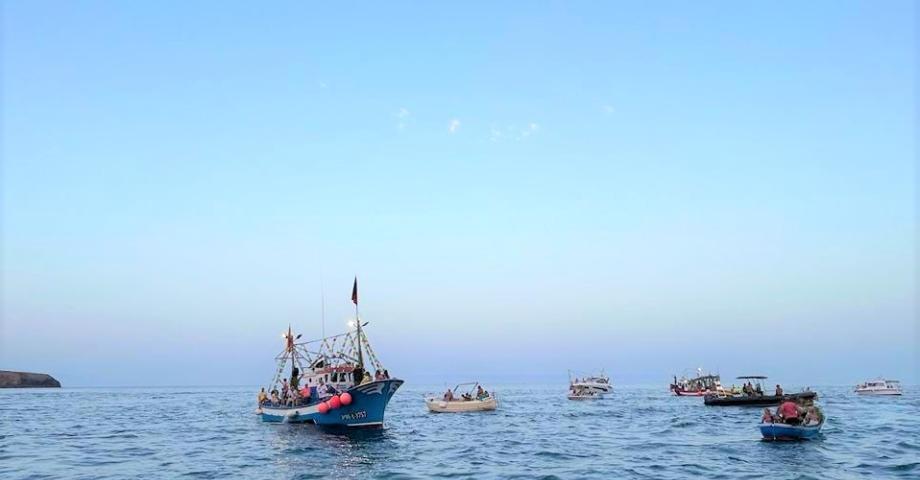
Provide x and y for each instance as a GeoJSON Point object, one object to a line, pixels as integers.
{"type": "Point", "coordinates": [328, 382]}
{"type": "Point", "coordinates": [806, 419]}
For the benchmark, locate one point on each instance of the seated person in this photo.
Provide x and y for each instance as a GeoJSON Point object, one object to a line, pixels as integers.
{"type": "Point", "coordinates": [262, 396]}
{"type": "Point", "coordinates": [275, 399]}
{"type": "Point", "coordinates": [767, 416]}
{"type": "Point", "coordinates": [479, 392]}
{"type": "Point", "coordinates": [812, 416]}
{"type": "Point", "coordinates": [758, 390]}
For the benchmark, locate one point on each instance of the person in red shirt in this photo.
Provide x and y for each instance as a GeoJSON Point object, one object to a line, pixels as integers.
{"type": "Point", "coordinates": [790, 412]}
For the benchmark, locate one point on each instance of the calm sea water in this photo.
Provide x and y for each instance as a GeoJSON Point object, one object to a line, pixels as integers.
{"type": "Point", "coordinates": [638, 432]}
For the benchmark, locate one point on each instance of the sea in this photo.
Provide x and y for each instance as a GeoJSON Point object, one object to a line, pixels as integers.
{"type": "Point", "coordinates": [636, 432]}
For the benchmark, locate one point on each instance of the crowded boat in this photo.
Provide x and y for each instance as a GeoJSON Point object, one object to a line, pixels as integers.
{"type": "Point", "coordinates": [465, 397]}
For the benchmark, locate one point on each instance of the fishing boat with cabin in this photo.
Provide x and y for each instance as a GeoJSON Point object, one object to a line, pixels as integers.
{"type": "Point", "coordinates": [696, 386]}
{"type": "Point", "coordinates": [327, 382]}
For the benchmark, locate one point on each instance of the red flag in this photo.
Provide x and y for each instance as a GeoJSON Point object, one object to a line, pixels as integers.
{"type": "Point", "coordinates": [354, 292]}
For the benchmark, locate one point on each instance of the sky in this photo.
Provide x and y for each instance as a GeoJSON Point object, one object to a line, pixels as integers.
{"type": "Point", "coordinates": [645, 187]}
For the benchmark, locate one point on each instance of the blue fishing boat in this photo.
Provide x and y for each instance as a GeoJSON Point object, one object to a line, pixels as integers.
{"type": "Point", "coordinates": [326, 381]}
{"type": "Point", "coordinates": [782, 431]}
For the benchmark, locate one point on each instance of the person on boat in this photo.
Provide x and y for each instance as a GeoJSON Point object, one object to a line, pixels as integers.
{"type": "Point", "coordinates": [449, 395]}
{"type": "Point", "coordinates": [285, 388]}
{"type": "Point", "coordinates": [467, 396]}
{"type": "Point", "coordinates": [812, 416]}
{"type": "Point", "coordinates": [767, 416]}
{"type": "Point", "coordinates": [378, 375]}
{"type": "Point", "coordinates": [480, 393]}
{"type": "Point", "coordinates": [262, 396]}
{"type": "Point", "coordinates": [386, 374]}
{"type": "Point", "coordinates": [789, 411]}
{"type": "Point", "coordinates": [779, 390]}
{"type": "Point", "coordinates": [366, 379]}
{"type": "Point", "coordinates": [758, 390]}
{"type": "Point", "coordinates": [275, 399]}
{"type": "Point", "coordinates": [295, 378]}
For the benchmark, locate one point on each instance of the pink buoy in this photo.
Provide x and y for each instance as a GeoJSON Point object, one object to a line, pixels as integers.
{"type": "Point", "coordinates": [334, 402]}
{"type": "Point", "coordinates": [323, 408]}
{"type": "Point", "coordinates": [345, 398]}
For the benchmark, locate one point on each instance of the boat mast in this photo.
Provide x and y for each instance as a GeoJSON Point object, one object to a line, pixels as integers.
{"type": "Point", "coordinates": [354, 299]}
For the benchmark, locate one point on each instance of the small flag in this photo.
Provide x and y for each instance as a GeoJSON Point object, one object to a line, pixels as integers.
{"type": "Point", "coordinates": [354, 292]}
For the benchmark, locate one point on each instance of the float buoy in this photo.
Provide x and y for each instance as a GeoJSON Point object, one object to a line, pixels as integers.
{"type": "Point", "coordinates": [322, 408]}
{"type": "Point", "coordinates": [334, 402]}
{"type": "Point", "coordinates": [345, 398]}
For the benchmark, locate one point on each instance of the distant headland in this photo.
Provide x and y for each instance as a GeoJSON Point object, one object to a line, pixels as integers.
{"type": "Point", "coordinates": [10, 379]}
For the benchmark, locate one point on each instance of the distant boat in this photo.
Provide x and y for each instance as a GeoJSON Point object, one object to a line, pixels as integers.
{"type": "Point", "coordinates": [879, 387]}
{"type": "Point", "coordinates": [696, 386]}
{"type": "Point", "coordinates": [782, 431]}
{"type": "Point", "coordinates": [599, 384]}
{"type": "Point", "coordinates": [333, 386]}
{"type": "Point", "coordinates": [463, 400]}
{"type": "Point", "coordinates": [755, 399]}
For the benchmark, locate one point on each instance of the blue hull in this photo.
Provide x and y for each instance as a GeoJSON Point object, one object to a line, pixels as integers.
{"type": "Point", "coordinates": [780, 431]}
{"type": "Point", "coordinates": [368, 404]}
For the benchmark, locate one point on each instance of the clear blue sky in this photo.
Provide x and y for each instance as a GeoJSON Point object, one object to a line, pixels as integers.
{"type": "Point", "coordinates": [522, 189]}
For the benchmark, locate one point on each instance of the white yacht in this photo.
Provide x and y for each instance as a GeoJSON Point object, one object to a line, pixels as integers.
{"type": "Point", "coordinates": [599, 384]}
{"type": "Point", "coordinates": [879, 387]}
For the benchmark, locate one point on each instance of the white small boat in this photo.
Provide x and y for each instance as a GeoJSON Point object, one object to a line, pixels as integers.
{"type": "Point", "coordinates": [463, 400]}
{"type": "Point", "coordinates": [879, 387]}
{"type": "Point", "coordinates": [599, 384]}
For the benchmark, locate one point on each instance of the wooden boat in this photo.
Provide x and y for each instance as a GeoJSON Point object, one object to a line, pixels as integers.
{"type": "Point", "coordinates": [462, 401]}
{"type": "Point", "coordinates": [782, 431]}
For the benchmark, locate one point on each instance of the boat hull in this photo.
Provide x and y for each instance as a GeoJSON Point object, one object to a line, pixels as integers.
{"type": "Point", "coordinates": [687, 393]}
{"type": "Point", "coordinates": [585, 397]}
{"type": "Point", "coordinates": [781, 431]}
{"type": "Point", "coordinates": [755, 401]}
{"type": "Point", "coordinates": [367, 407]}
{"type": "Point", "coordinates": [878, 392]}
{"type": "Point", "coordinates": [440, 406]}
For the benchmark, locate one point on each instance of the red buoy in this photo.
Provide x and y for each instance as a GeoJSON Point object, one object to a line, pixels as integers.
{"type": "Point", "coordinates": [345, 398]}
{"type": "Point", "coordinates": [334, 402]}
{"type": "Point", "coordinates": [322, 408]}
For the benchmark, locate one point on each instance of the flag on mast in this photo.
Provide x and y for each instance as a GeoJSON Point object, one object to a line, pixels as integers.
{"type": "Point", "coordinates": [354, 292]}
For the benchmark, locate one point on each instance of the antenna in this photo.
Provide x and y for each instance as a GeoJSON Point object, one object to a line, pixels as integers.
{"type": "Point", "coordinates": [322, 290]}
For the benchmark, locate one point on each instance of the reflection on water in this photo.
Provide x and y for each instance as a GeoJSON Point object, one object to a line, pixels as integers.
{"type": "Point", "coordinates": [636, 432]}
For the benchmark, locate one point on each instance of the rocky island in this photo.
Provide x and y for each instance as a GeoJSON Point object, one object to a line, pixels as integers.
{"type": "Point", "coordinates": [10, 379]}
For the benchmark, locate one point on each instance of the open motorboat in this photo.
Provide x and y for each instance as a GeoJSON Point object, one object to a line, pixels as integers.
{"type": "Point", "coordinates": [461, 399]}
{"type": "Point", "coordinates": [879, 387]}
{"type": "Point", "coordinates": [754, 395]}
{"type": "Point", "coordinates": [696, 386]}
{"type": "Point", "coordinates": [804, 421]}
{"type": "Point", "coordinates": [599, 384]}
